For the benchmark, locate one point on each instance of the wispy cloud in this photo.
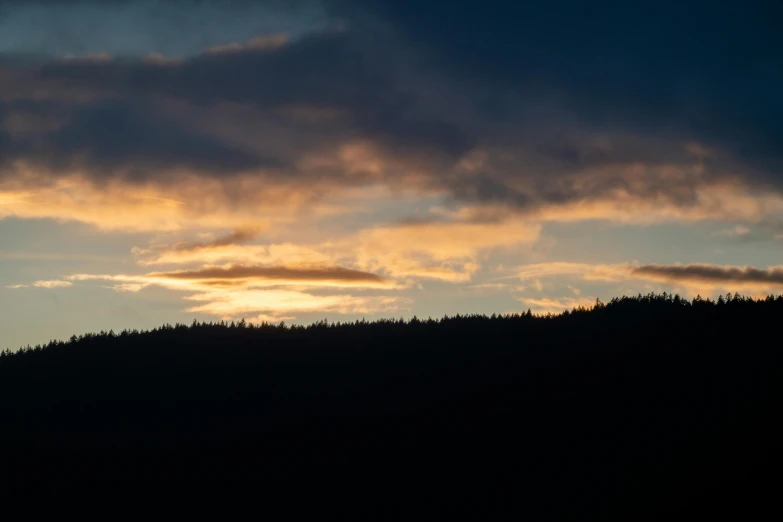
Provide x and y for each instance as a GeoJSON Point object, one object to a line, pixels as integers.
{"type": "Point", "coordinates": [555, 306]}
{"type": "Point", "coordinates": [716, 274]}
{"type": "Point", "coordinates": [52, 284]}
{"type": "Point", "coordinates": [235, 238]}
{"type": "Point", "coordinates": [598, 272]}
{"type": "Point", "coordinates": [44, 284]}
{"type": "Point", "coordinates": [280, 301]}
{"type": "Point", "coordinates": [277, 291]}
{"type": "Point", "coordinates": [437, 250]}
{"type": "Point", "coordinates": [697, 278]}
{"type": "Point", "coordinates": [279, 275]}
{"type": "Point", "coordinates": [248, 276]}
{"type": "Point", "coordinates": [735, 231]}
{"type": "Point", "coordinates": [269, 254]}
{"type": "Point", "coordinates": [267, 41]}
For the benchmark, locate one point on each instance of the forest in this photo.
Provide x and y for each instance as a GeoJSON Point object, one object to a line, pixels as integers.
{"type": "Point", "coordinates": [651, 401]}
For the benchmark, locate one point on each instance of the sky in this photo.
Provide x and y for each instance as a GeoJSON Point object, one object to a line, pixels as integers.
{"type": "Point", "coordinates": [164, 161]}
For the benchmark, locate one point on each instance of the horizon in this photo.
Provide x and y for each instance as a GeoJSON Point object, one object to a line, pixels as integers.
{"type": "Point", "coordinates": [671, 299]}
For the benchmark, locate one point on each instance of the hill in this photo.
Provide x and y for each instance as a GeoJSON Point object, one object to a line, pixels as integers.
{"type": "Point", "coordinates": [653, 401]}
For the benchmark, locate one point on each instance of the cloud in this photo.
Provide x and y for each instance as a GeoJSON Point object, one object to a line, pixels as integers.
{"type": "Point", "coordinates": [44, 284]}
{"type": "Point", "coordinates": [586, 271]}
{"type": "Point", "coordinates": [715, 274]}
{"type": "Point", "coordinates": [270, 254]}
{"type": "Point", "coordinates": [445, 250]}
{"type": "Point", "coordinates": [263, 291]}
{"type": "Point", "coordinates": [129, 287]}
{"type": "Point", "coordinates": [490, 286]}
{"type": "Point", "coordinates": [682, 86]}
{"type": "Point", "coordinates": [246, 276]}
{"type": "Point", "coordinates": [386, 257]}
{"type": "Point", "coordinates": [448, 240]}
{"type": "Point", "coordinates": [190, 203]}
{"type": "Point", "coordinates": [693, 278]}
{"type": "Point", "coordinates": [326, 109]}
{"type": "Point", "coordinates": [556, 306]}
{"type": "Point", "coordinates": [326, 276]}
{"type": "Point", "coordinates": [236, 237]}
{"type": "Point", "coordinates": [395, 120]}
{"type": "Point", "coordinates": [273, 291]}
{"type": "Point", "coordinates": [279, 301]}
{"type": "Point", "coordinates": [269, 41]}
{"type": "Point", "coordinates": [52, 284]}
{"type": "Point", "coordinates": [333, 70]}
{"type": "Point", "coordinates": [272, 318]}
{"type": "Point", "coordinates": [735, 231]}
{"type": "Point", "coordinates": [128, 140]}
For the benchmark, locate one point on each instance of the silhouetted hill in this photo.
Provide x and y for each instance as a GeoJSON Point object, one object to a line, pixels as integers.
{"type": "Point", "coordinates": [650, 401]}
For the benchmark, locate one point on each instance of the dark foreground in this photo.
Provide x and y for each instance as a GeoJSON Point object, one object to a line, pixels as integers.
{"type": "Point", "coordinates": [650, 404]}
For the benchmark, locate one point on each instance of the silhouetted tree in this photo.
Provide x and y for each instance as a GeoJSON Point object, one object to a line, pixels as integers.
{"type": "Point", "coordinates": [647, 395]}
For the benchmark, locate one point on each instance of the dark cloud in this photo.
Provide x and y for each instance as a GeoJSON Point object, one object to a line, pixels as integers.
{"type": "Point", "coordinates": [702, 273]}
{"type": "Point", "coordinates": [339, 70]}
{"type": "Point", "coordinates": [687, 71]}
{"type": "Point", "coordinates": [330, 274]}
{"type": "Point", "coordinates": [235, 238]}
{"type": "Point", "coordinates": [558, 90]}
{"type": "Point", "coordinates": [114, 137]}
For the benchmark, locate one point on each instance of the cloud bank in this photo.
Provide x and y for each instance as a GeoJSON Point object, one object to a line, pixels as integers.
{"type": "Point", "coordinates": [382, 99]}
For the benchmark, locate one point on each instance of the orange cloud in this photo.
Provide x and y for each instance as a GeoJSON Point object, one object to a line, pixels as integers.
{"type": "Point", "coordinates": [280, 301]}
{"type": "Point", "coordinates": [44, 284]}
{"type": "Point", "coordinates": [279, 275]}
{"type": "Point", "coordinates": [556, 306]}
{"type": "Point", "coordinates": [599, 272]}
{"type": "Point", "coordinates": [185, 201]}
{"type": "Point", "coordinates": [247, 277]}
{"type": "Point", "coordinates": [444, 250]}
{"type": "Point", "coordinates": [274, 254]}
{"type": "Point", "coordinates": [271, 318]}
{"type": "Point", "coordinates": [233, 291]}
{"type": "Point", "coordinates": [115, 206]}
{"type": "Point", "coordinates": [52, 284]}
{"type": "Point", "coordinates": [437, 250]}
{"type": "Point", "coordinates": [236, 237]}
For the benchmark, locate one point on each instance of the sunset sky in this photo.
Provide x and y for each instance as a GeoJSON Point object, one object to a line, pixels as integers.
{"type": "Point", "coordinates": [292, 161]}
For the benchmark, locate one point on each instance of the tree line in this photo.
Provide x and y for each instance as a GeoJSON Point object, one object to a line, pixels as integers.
{"type": "Point", "coordinates": [652, 401]}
